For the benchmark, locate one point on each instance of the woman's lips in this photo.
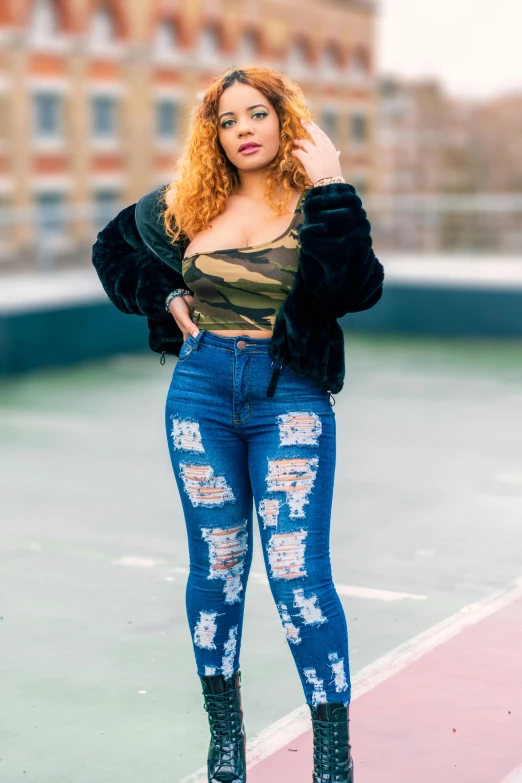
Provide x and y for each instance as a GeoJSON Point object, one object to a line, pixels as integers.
{"type": "Point", "coordinates": [249, 150]}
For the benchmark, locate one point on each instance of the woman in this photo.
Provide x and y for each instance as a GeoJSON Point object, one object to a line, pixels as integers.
{"type": "Point", "coordinates": [249, 411]}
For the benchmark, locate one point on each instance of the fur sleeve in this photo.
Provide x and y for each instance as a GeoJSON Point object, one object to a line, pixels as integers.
{"type": "Point", "coordinates": [135, 281]}
{"type": "Point", "coordinates": [337, 261]}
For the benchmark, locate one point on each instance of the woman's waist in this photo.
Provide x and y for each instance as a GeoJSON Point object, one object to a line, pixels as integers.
{"type": "Point", "coordinates": [235, 342]}
{"type": "Point", "coordinates": [254, 333]}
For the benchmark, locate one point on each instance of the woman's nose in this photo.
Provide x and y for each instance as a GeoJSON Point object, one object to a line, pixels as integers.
{"type": "Point", "coordinates": [243, 126]}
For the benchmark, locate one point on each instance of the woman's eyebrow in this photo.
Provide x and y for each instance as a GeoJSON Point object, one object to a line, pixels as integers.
{"type": "Point", "coordinates": [248, 109]}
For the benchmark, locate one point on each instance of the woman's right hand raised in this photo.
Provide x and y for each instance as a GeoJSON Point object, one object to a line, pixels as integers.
{"type": "Point", "coordinates": [181, 309]}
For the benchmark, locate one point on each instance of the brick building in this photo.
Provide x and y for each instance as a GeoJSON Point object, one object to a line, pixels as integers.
{"type": "Point", "coordinates": [95, 94]}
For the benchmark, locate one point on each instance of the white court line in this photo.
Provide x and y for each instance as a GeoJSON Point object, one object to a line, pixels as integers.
{"type": "Point", "coordinates": [355, 591]}
{"type": "Point", "coordinates": [514, 777]}
{"type": "Point", "coordinates": [379, 595]}
{"type": "Point", "coordinates": [137, 562]}
{"type": "Point", "coordinates": [260, 578]}
{"type": "Point", "coordinates": [291, 726]}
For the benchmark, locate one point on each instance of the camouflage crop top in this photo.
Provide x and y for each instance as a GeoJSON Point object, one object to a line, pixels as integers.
{"type": "Point", "coordinates": [244, 287]}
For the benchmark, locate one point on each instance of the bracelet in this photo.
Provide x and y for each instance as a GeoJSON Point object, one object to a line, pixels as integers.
{"type": "Point", "coordinates": [174, 294]}
{"type": "Point", "coordinates": [329, 181]}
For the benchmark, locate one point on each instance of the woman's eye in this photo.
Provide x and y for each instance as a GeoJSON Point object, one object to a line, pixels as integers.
{"type": "Point", "coordinates": [257, 114]}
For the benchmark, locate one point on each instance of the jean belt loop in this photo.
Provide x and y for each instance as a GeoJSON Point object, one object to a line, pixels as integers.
{"type": "Point", "coordinates": [274, 379]}
{"type": "Point", "coordinates": [197, 339]}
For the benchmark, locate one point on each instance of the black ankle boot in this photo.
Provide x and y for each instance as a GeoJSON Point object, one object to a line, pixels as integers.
{"type": "Point", "coordinates": [227, 752]}
{"type": "Point", "coordinates": [333, 761]}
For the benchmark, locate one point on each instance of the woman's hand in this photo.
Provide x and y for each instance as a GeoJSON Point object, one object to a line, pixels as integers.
{"type": "Point", "coordinates": [319, 157]}
{"type": "Point", "coordinates": [181, 309]}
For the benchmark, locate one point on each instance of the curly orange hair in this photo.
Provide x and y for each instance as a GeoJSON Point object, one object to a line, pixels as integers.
{"type": "Point", "coordinates": [200, 190]}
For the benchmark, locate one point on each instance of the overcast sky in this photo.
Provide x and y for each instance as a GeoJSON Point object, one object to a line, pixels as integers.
{"type": "Point", "coordinates": [473, 46]}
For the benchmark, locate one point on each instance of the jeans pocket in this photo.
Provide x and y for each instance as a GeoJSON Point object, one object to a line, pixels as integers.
{"type": "Point", "coordinates": [186, 348]}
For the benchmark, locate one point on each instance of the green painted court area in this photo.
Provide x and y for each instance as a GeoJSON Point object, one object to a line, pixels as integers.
{"type": "Point", "coordinates": [98, 681]}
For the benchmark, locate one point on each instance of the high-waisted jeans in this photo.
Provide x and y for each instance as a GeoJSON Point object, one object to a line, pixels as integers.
{"type": "Point", "coordinates": [232, 446]}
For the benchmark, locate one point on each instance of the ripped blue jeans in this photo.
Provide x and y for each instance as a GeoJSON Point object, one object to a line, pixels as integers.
{"type": "Point", "coordinates": [231, 447]}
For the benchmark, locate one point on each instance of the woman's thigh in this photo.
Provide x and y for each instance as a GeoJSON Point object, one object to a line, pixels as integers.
{"type": "Point", "coordinates": [210, 464]}
{"type": "Point", "coordinates": [291, 460]}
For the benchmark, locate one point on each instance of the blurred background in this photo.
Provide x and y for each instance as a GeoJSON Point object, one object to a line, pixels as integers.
{"type": "Point", "coordinates": [424, 100]}
{"type": "Point", "coordinates": [95, 95]}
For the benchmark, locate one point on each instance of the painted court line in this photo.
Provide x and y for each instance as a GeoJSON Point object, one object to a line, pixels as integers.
{"type": "Point", "coordinates": [376, 594]}
{"type": "Point", "coordinates": [297, 723]}
{"type": "Point", "coordinates": [353, 591]}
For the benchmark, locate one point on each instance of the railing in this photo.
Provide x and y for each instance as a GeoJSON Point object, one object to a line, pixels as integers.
{"type": "Point", "coordinates": [486, 223]}
{"type": "Point", "coordinates": [58, 236]}
{"type": "Point", "coordinates": [50, 236]}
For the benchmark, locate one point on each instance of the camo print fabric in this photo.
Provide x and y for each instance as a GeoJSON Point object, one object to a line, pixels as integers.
{"type": "Point", "coordinates": [244, 287]}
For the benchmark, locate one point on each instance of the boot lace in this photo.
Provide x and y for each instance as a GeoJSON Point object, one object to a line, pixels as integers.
{"type": "Point", "coordinates": [325, 752]}
{"type": "Point", "coordinates": [223, 723]}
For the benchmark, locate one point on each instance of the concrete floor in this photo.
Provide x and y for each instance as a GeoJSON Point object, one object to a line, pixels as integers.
{"type": "Point", "coordinates": [97, 676]}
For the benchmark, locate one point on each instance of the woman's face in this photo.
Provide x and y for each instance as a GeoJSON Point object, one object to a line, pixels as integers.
{"type": "Point", "coordinates": [245, 116]}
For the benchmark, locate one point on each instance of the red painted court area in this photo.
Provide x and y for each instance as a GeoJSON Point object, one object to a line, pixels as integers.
{"type": "Point", "coordinates": [454, 714]}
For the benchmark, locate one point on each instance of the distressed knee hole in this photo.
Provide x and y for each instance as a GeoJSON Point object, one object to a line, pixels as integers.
{"type": "Point", "coordinates": [227, 550]}
{"type": "Point", "coordinates": [309, 609]}
{"type": "Point", "coordinates": [286, 554]}
{"type": "Point", "coordinates": [299, 428]}
{"type": "Point", "coordinates": [203, 487]}
{"type": "Point", "coordinates": [186, 435]}
{"type": "Point", "coordinates": [269, 512]}
{"type": "Point", "coordinates": [296, 478]}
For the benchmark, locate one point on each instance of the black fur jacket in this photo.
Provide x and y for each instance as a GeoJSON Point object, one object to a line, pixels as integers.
{"type": "Point", "coordinates": [338, 273]}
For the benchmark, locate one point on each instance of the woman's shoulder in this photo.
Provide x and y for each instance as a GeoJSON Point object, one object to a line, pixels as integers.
{"type": "Point", "coordinates": [150, 207]}
{"type": "Point", "coordinates": [151, 227]}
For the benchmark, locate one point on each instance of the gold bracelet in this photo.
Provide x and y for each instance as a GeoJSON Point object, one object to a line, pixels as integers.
{"type": "Point", "coordinates": [329, 181]}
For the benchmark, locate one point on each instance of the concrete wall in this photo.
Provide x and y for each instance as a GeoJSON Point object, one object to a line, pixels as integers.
{"type": "Point", "coordinates": [75, 321]}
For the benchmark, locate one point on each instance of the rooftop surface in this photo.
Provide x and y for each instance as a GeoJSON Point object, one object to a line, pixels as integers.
{"type": "Point", "coordinates": [98, 676]}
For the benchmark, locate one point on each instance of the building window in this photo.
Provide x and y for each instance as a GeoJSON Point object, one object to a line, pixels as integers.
{"type": "Point", "coordinates": [167, 119]}
{"type": "Point", "coordinates": [103, 27]}
{"type": "Point", "coordinates": [209, 43]}
{"type": "Point", "coordinates": [247, 47]}
{"type": "Point", "coordinates": [106, 205]}
{"type": "Point", "coordinates": [5, 222]}
{"type": "Point", "coordinates": [167, 39]}
{"type": "Point", "coordinates": [4, 122]}
{"type": "Point", "coordinates": [360, 61]}
{"type": "Point", "coordinates": [359, 128]}
{"type": "Point", "coordinates": [298, 55]}
{"type": "Point", "coordinates": [50, 213]}
{"type": "Point", "coordinates": [330, 59]}
{"type": "Point", "coordinates": [330, 123]}
{"type": "Point", "coordinates": [44, 20]}
{"type": "Point", "coordinates": [104, 116]}
{"type": "Point", "coordinates": [48, 115]}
